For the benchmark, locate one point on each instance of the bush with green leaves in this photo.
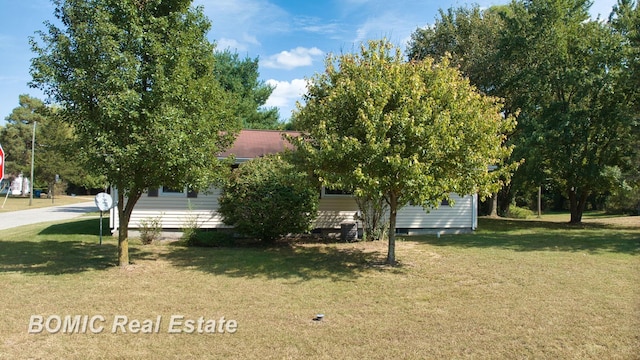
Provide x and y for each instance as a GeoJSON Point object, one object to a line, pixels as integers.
{"type": "Point", "coordinates": [267, 198]}
{"type": "Point", "coordinates": [519, 212]}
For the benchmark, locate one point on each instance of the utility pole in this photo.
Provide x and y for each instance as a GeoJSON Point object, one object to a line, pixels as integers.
{"type": "Point", "coordinates": [33, 157]}
{"type": "Point", "coordinates": [539, 202]}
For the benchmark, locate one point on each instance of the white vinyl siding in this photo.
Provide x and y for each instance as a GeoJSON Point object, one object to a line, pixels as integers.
{"type": "Point", "coordinates": [175, 212]}
{"type": "Point", "coordinates": [459, 216]}
{"type": "Point", "coordinates": [334, 210]}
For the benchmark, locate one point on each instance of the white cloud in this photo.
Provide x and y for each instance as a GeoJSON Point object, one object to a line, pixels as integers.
{"type": "Point", "coordinates": [389, 25]}
{"type": "Point", "coordinates": [236, 46]}
{"type": "Point", "coordinates": [231, 44]}
{"type": "Point", "coordinates": [285, 95]}
{"type": "Point", "coordinates": [317, 25]}
{"type": "Point", "coordinates": [294, 58]}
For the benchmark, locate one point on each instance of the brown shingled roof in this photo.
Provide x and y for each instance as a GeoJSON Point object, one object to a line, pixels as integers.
{"type": "Point", "coordinates": [255, 143]}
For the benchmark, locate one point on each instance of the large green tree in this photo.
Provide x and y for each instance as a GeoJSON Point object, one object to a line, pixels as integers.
{"type": "Point", "coordinates": [54, 152]}
{"type": "Point", "coordinates": [468, 37]}
{"type": "Point", "coordinates": [570, 79]}
{"type": "Point", "coordinates": [412, 132]}
{"type": "Point", "coordinates": [575, 115]}
{"type": "Point", "coordinates": [17, 134]}
{"type": "Point", "coordinates": [625, 20]}
{"type": "Point", "coordinates": [240, 77]}
{"type": "Point", "coordinates": [135, 78]}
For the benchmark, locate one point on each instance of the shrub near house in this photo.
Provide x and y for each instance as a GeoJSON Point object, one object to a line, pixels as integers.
{"type": "Point", "coordinates": [268, 197]}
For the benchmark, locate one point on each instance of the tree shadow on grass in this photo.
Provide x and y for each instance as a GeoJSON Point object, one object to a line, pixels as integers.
{"type": "Point", "coordinates": [509, 225]}
{"type": "Point", "coordinates": [544, 236]}
{"type": "Point", "coordinates": [78, 227]}
{"type": "Point", "coordinates": [52, 257]}
{"type": "Point", "coordinates": [296, 262]}
{"type": "Point", "coordinates": [56, 251]}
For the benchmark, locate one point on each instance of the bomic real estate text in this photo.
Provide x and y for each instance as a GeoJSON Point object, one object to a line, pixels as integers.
{"type": "Point", "coordinates": [122, 324]}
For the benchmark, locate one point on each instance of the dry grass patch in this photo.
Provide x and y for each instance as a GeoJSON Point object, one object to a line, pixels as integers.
{"type": "Point", "coordinates": [512, 290]}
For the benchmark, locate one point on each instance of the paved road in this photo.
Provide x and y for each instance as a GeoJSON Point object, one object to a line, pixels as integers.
{"type": "Point", "coordinates": [13, 219]}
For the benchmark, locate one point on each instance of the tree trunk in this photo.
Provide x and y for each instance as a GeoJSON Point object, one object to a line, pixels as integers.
{"type": "Point", "coordinates": [393, 211]}
{"type": "Point", "coordinates": [123, 231]}
{"type": "Point", "coordinates": [123, 246]}
{"type": "Point", "coordinates": [577, 202]}
{"type": "Point", "coordinates": [494, 205]}
{"type": "Point", "coordinates": [124, 215]}
{"type": "Point", "coordinates": [539, 201]}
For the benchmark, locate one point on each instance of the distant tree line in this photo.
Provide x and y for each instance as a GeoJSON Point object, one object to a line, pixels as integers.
{"type": "Point", "coordinates": [571, 81]}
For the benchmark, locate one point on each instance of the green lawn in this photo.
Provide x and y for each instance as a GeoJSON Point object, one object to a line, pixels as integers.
{"type": "Point", "coordinates": [514, 289]}
{"type": "Point", "coordinates": [22, 203]}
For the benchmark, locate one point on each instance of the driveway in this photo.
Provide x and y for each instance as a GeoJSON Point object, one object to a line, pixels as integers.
{"type": "Point", "coordinates": [14, 219]}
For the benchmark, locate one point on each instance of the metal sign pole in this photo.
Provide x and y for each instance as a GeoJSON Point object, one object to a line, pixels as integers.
{"type": "Point", "coordinates": [104, 202]}
{"type": "Point", "coordinates": [100, 227]}
{"type": "Point", "coordinates": [33, 157]}
{"type": "Point", "coordinates": [7, 196]}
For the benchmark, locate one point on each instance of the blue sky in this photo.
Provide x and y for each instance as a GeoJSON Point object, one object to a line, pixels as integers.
{"type": "Point", "coordinates": [291, 38]}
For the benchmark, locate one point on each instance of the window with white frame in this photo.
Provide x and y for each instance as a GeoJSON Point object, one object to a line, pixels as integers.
{"type": "Point", "coordinates": [328, 192]}
{"type": "Point", "coordinates": [169, 191]}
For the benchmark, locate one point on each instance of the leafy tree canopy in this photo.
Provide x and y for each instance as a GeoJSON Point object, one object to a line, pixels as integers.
{"type": "Point", "coordinates": [16, 136]}
{"type": "Point", "coordinates": [570, 80]}
{"type": "Point", "coordinates": [467, 36]}
{"type": "Point", "coordinates": [136, 81]}
{"type": "Point", "coordinates": [54, 139]}
{"type": "Point", "coordinates": [413, 132]}
{"type": "Point", "coordinates": [240, 77]}
{"type": "Point", "coordinates": [576, 116]}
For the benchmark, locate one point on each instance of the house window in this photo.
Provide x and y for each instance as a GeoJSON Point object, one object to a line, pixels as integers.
{"type": "Point", "coordinates": [169, 191]}
{"type": "Point", "coordinates": [335, 192]}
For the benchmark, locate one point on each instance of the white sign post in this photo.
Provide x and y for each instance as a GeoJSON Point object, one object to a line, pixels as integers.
{"type": "Point", "coordinates": [104, 202]}
{"type": "Point", "coordinates": [1, 163]}
{"type": "Point", "coordinates": [2, 176]}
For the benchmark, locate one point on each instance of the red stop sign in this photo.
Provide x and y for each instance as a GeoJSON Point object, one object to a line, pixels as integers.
{"type": "Point", "coordinates": [1, 163]}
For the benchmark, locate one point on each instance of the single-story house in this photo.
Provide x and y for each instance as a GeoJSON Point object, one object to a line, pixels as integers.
{"type": "Point", "coordinates": [175, 207]}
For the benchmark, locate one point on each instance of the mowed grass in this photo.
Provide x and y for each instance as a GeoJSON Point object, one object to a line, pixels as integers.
{"type": "Point", "coordinates": [512, 290]}
{"type": "Point", "coordinates": [22, 203]}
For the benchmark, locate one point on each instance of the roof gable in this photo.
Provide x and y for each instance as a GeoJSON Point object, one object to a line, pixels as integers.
{"type": "Point", "coordinates": [255, 143]}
